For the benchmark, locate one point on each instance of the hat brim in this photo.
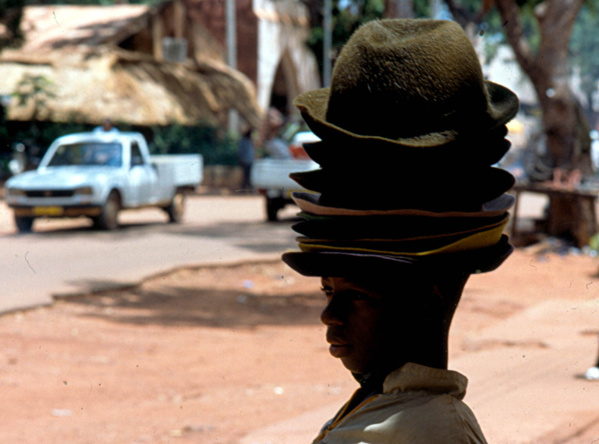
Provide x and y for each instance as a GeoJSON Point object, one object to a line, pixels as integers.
{"type": "Point", "coordinates": [404, 231]}
{"type": "Point", "coordinates": [387, 227]}
{"type": "Point", "coordinates": [469, 155]}
{"type": "Point", "coordinates": [437, 191]}
{"type": "Point", "coordinates": [310, 203]}
{"type": "Point", "coordinates": [348, 264]}
{"type": "Point", "coordinates": [503, 106]}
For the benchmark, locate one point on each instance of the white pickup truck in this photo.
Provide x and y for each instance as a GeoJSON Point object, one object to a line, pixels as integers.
{"type": "Point", "coordinates": [270, 176]}
{"type": "Point", "coordinates": [97, 174]}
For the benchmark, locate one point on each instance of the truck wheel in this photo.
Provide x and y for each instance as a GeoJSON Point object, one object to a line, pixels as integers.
{"type": "Point", "coordinates": [24, 224]}
{"type": "Point", "coordinates": [108, 219]}
{"type": "Point", "coordinates": [273, 205]}
{"type": "Point", "coordinates": [176, 208]}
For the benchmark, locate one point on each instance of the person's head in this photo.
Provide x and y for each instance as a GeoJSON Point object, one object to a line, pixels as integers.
{"type": "Point", "coordinates": [410, 131]}
{"type": "Point", "coordinates": [247, 132]}
{"type": "Point", "coordinates": [377, 323]}
{"type": "Point", "coordinates": [107, 125]}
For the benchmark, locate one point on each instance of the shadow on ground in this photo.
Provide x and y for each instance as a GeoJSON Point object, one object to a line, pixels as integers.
{"type": "Point", "coordinates": [220, 308]}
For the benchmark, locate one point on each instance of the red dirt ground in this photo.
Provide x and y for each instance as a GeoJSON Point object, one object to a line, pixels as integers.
{"type": "Point", "coordinates": [209, 355]}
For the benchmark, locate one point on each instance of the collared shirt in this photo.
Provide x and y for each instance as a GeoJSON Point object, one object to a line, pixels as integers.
{"type": "Point", "coordinates": [419, 405]}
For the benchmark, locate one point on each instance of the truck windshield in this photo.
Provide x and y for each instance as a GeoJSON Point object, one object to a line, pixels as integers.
{"type": "Point", "coordinates": [93, 153]}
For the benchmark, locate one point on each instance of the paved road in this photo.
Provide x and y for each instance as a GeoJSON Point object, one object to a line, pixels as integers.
{"type": "Point", "coordinates": [65, 257]}
{"type": "Point", "coordinates": [68, 257]}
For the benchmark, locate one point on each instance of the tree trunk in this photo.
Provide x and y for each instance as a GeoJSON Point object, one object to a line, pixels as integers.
{"type": "Point", "coordinates": [563, 121]}
{"type": "Point", "coordinates": [399, 9]}
{"type": "Point", "coordinates": [564, 124]}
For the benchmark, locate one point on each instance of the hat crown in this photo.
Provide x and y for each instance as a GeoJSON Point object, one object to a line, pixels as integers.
{"type": "Point", "coordinates": [408, 78]}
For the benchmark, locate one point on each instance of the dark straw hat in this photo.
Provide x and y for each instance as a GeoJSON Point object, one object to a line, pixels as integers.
{"type": "Point", "coordinates": [412, 83]}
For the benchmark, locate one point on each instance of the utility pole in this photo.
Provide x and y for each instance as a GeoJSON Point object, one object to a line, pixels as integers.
{"type": "Point", "coordinates": [231, 29]}
{"type": "Point", "coordinates": [327, 42]}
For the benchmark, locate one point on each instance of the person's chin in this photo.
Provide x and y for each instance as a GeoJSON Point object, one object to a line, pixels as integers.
{"type": "Point", "coordinates": [353, 366]}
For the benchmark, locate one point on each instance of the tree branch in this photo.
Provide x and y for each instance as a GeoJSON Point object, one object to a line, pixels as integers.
{"type": "Point", "coordinates": [515, 34]}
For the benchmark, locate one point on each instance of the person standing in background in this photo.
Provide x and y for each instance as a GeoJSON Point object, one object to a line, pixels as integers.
{"type": "Point", "coordinates": [246, 154]}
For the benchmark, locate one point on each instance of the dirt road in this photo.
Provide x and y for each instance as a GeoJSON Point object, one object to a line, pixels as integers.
{"type": "Point", "coordinates": [230, 355]}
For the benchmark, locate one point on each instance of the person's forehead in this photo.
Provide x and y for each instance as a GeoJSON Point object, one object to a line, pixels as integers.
{"type": "Point", "coordinates": [402, 278]}
{"type": "Point", "coordinates": [374, 276]}
{"type": "Point", "coordinates": [366, 282]}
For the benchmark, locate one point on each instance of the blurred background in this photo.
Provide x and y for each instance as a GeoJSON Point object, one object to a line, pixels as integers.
{"type": "Point", "coordinates": [194, 75]}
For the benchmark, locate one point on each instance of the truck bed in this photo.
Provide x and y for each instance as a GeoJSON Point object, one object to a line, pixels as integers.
{"type": "Point", "coordinates": [186, 169]}
{"type": "Point", "coordinates": [273, 174]}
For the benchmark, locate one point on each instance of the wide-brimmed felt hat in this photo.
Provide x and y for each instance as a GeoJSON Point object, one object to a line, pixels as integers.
{"type": "Point", "coordinates": [426, 190]}
{"type": "Point", "coordinates": [347, 264]}
{"type": "Point", "coordinates": [463, 153]}
{"type": "Point", "coordinates": [310, 203]}
{"type": "Point", "coordinates": [410, 83]}
{"type": "Point", "coordinates": [390, 227]}
{"type": "Point", "coordinates": [422, 246]}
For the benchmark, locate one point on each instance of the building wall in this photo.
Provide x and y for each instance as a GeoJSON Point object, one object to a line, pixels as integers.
{"type": "Point", "coordinates": [283, 30]}
{"type": "Point", "coordinates": [270, 39]}
{"type": "Point", "coordinates": [211, 15]}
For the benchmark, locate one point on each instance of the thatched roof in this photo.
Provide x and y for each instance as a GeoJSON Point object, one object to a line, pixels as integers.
{"type": "Point", "coordinates": [53, 27]}
{"type": "Point", "coordinates": [91, 78]}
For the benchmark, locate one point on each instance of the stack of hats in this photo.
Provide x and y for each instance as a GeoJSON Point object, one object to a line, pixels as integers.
{"type": "Point", "coordinates": [409, 132]}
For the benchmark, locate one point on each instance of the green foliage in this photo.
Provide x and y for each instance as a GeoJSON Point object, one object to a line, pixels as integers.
{"type": "Point", "coordinates": [348, 15]}
{"type": "Point", "coordinates": [34, 88]}
{"type": "Point", "coordinates": [4, 136]}
{"type": "Point", "coordinates": [491, 26]}
{"type": "Point", "coordinates": [216, 148]}
{"type": "Point", "coordinates": [530, 25]}
{"type": "Point", "coordinates": [584, 43]}
{"type": "Point", "coordinates": [87, 2]}
{"type": "Point", "coordinates": [594, 242]}
{"type": "Point", "coordinates": [43, 134]}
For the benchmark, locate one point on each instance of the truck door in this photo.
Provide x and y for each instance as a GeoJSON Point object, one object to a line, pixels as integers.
{"type": "Point", "coordinates": [142, 177]}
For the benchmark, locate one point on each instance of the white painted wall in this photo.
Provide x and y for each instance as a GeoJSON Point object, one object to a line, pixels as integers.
{"type": "Point", "coordinates": [283, 26]}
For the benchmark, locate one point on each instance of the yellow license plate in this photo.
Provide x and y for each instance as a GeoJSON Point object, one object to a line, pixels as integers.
{"type": "Point", "coordinates": [48, 211]}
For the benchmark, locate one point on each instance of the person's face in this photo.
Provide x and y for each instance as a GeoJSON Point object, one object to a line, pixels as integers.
{"type": "Point", "coordinates": [360, 328]}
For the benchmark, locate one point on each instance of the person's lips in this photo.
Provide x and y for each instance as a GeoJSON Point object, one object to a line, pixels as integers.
{"type": "Point", "coordinates": [339, 350]}
{"type": "Point", "coordinates": [338, 346]}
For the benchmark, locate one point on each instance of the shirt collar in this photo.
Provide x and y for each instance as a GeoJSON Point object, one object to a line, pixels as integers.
{"type": "Point", "coordinates": [418, 377]}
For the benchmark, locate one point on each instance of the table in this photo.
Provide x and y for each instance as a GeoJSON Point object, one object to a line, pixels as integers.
{"type": "Point", "coordinates": [572, 212]}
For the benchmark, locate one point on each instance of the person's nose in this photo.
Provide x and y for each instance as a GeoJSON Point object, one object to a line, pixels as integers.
{"type": "Point", "coordinates": [332, 313]}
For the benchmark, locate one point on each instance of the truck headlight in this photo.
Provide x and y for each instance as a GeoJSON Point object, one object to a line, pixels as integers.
{"type": "Point", "coordinates": [84, 191]}
{"type": "Point", "coordinates": [16, 192]}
